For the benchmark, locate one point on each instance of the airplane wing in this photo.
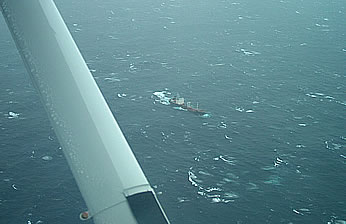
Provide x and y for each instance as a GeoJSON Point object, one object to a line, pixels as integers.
{"type": "Point", "coordinates": [106, 171]}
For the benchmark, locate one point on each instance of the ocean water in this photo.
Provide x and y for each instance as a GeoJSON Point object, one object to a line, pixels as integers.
{"type": "Point", "coordinates": [271, 75]}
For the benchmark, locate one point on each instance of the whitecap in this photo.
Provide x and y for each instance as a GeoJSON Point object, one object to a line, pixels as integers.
{"type": "Point", "coordinates": [319, 94]}
{"type": "Point", "coordinates": [297, 212]}
{"type": "Point", "coordinates": [215, 200]}
{"type": "Point", "coordinates": [232, 175]}
{"type": "Point", "coordinates": [342, 103]}
{"type": "Point", "coordinates": [201, 193]}
{"type": "Point", "coordinates": [267, 168]}
{"type": "Point", "coordinates": [279, 160]}
{"type": "Point", "coordinates": [231, 195]}
{"type": "Point", "coordinates": [206, 115]}
{"type": "Point", "coordinates": [222, 125]}
{"type": "Point", "coordinates": [210, 189]}
{"type": "Point", "coordinates": [273, 179]}
{"type": "Point", "coordinates": [204, 173]}
{"type": "Point", "coordinates": [246, 52]}
{"type": "Point", "coordinates": [239, 109]}
{"type": "Point", "coordinates": [192, 177]}
{"type": "Point", "coordinates": [252, 186]}
{"type": "Point", "coordinates": [162, 97]}
{"type": "Point", "coordinates": [304, 210]}
{"type": "Point", "coordinates": [12, 115]}
{"type": "Point", "coordinates": [311, 95]}
{"type": "Point", "coordinates": [14, 187]}
{"type": "Point", "coordinates": [229, 161]}
{"type": "Point", "coordinates": [300, 146]}
{"type": "Point", "coordinates": [227, 180]}
{"type": "Point", "coordinates": [329, 97]}
{"type": "Point", "coordinates": [227, 137]}
{"type": "Point", "coordinates": [332, 145]}
{"type": "Point", "coordinates": [112, 79]}
{"type": "Point", "coordinates": [46, 158]}
{"type": "Point", "coordinates": [176, 108]}
{"type": "Point", "coordinates": [182, 199]}
{"type": "Point", "coordinates": [121, 95]}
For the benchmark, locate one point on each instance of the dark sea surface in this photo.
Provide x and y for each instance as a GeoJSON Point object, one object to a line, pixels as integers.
{"type": "Point", "coordinates": [271, 74]}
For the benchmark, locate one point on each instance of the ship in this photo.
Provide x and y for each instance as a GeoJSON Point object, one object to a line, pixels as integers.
{"type": "Point", "coordinates": [180, 101]}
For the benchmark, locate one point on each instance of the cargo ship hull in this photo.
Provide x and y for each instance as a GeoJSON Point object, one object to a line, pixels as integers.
{"type": "Point", "coordinates": [181, 103]}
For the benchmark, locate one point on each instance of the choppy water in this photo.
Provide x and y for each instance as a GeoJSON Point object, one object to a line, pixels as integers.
{"type": "Point", "coordinates": [271, 75]}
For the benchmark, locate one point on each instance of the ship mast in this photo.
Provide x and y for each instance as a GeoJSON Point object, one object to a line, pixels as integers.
{"type": "Point", "coordinates": [105, 169]}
